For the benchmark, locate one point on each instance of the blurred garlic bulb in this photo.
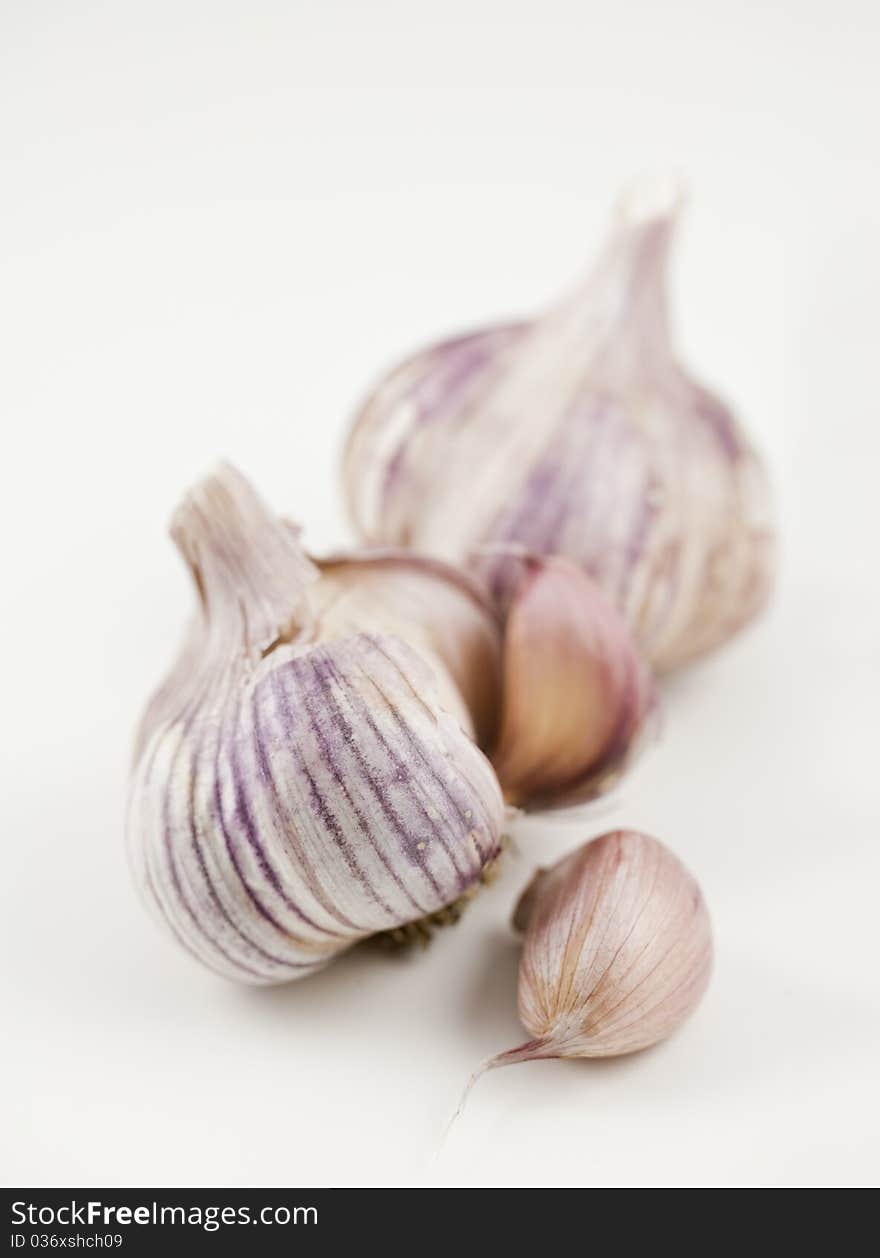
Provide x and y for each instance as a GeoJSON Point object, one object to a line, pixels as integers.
{"type": "Point", "coordinates": [577, 433]}
{"type": "Point", "coordinates": [576, 696]}
{"type": "Point", "coordinates": [306, 776]}
{"type": "Point", "coordinates": [617, 950]}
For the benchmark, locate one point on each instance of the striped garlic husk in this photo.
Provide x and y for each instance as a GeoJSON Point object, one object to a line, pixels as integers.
{"type": "Point", "coordinates": [307, 776]}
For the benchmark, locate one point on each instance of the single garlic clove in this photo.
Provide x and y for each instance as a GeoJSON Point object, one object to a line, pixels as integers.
{"type": "Point", "coordinates": [294, 793]}
{"type": "Point", "coordinates": [577, 433]}
{"type": "Point", "coordinates": [577, 695]}
{"type": "Point", "coordinates": [617, 950]}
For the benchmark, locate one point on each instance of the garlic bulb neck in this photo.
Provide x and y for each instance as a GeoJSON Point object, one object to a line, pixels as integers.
{"type": "Point", "coordinates": [621, 307]}
{"type": "Point", "coordinates": [249, 569]}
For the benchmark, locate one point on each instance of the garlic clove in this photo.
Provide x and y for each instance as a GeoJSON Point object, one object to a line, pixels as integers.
{"type": "Point", "coordinates": [577, 433]}
{"type": "Point", "coordinates": [617, 952]}
{"type": "Point", "coordinates": [617, 949]}
{"type": "Point", "coordinates": [577, 695]}
{"type": "Point", "coordinates": [299, 784]}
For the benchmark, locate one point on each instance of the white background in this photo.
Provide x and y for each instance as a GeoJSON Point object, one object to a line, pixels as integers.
{"type": "Point", "coordinates": [219, 221]}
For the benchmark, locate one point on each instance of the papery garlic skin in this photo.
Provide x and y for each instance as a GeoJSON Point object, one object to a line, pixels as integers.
{"type": "Point", "coordinates": [577, 433]}
{"type": "Point", "coordinates": [617, 950]}
{"type": "Point", "coordinates": [578, 700]}
{"type": "Point", "coordinates": [299, 787]}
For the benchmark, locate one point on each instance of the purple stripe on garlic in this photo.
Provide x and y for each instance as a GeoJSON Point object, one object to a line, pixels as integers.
{"type": "Point", "coordinates": [578, 434]}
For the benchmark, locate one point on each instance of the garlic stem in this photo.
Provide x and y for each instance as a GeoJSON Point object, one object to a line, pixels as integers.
{"type": "Point", "coordinates": [250, 571]}
{"type": "Point", "coordinates": [620, 311]}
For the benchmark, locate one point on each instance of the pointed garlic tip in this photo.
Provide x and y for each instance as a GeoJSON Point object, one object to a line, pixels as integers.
{"type": "Point", "coordinates": [532, 1050]}
{"type": "Point", "coordinates": [617, 950]}
{"type": "Point", "coordinates": [249, 569]}
{"type": "Point", "coordinates": [651, 197]}
{"type": "Point", "coordinates": [576, 694]}
{"type": "Point", "coordinates": [626, 291]}
{"type": "Point", "coordinates": [302, 781]}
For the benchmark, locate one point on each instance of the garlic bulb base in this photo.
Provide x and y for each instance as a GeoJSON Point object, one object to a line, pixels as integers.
{"type": "Point", "coordinates": [421, 932]}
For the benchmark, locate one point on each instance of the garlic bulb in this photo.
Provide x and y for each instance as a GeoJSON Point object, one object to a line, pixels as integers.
{"type": "Point", "coordinates": [617, 950]}
{"type": "Point", "coordinates": [577, 433]}
{"type": "Point", "coordinates": [576, 696]}
{"type": "Point", "coordinates": [306, 776]}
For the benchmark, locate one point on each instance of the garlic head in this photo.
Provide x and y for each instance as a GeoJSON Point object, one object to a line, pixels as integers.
{"type": "Point", "coordinates": [300, 782]}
